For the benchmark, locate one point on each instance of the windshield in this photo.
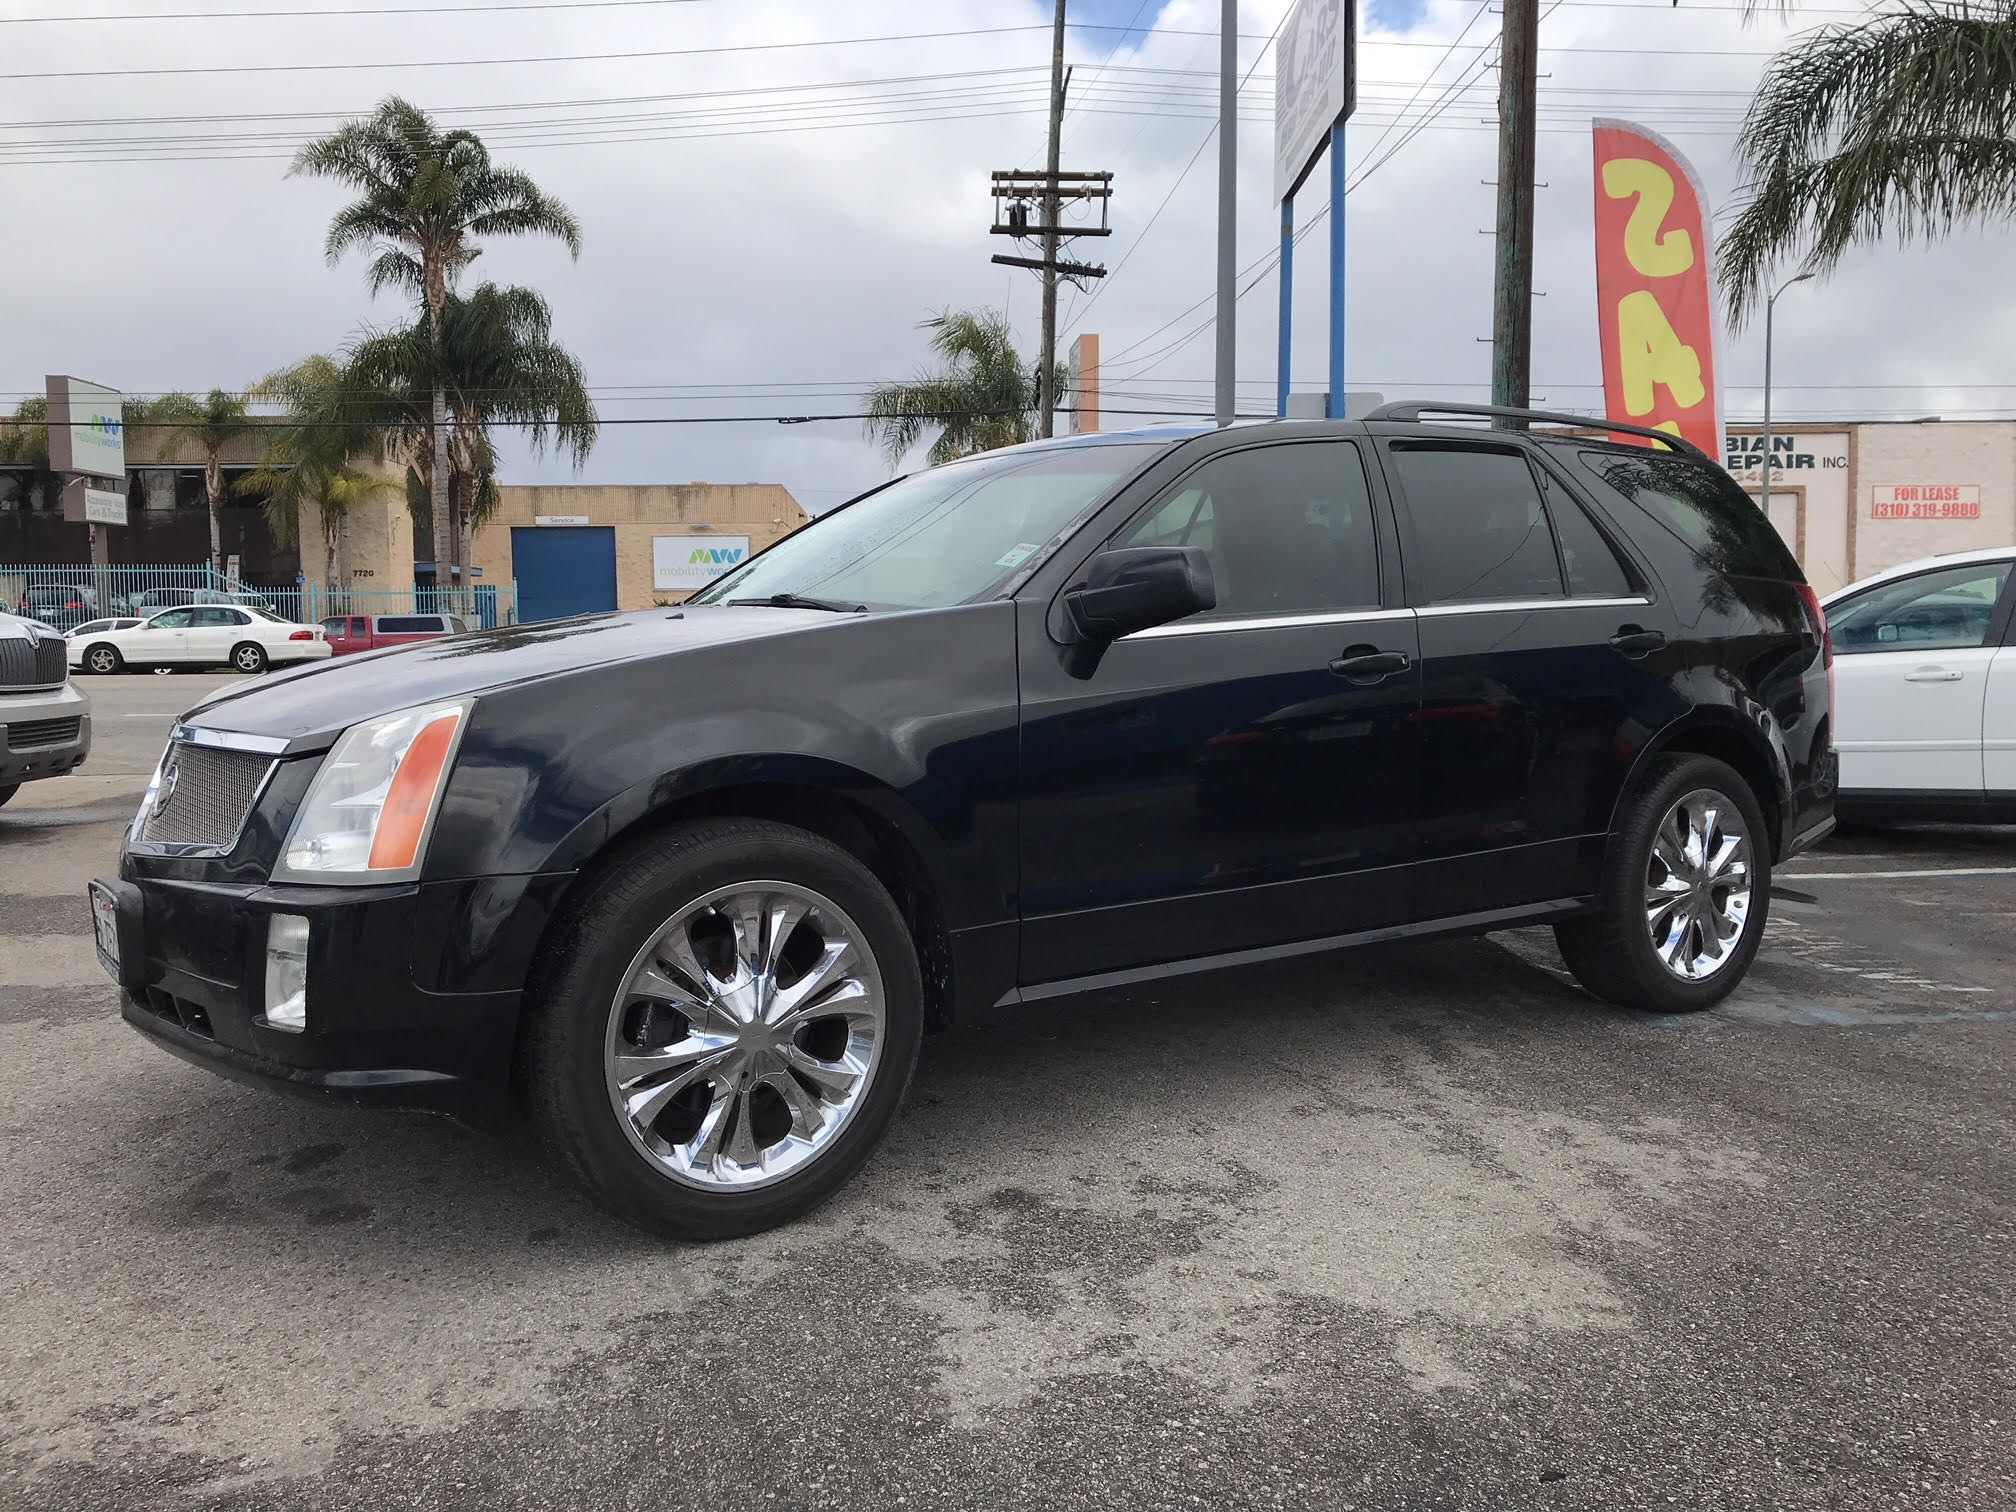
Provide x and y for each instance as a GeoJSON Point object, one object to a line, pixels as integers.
{"type": "Point", "coordinates": [951, 535]}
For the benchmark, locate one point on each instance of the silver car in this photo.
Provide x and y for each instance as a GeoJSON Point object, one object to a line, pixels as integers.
{"type": "Point", "coordinates": [45, 724]}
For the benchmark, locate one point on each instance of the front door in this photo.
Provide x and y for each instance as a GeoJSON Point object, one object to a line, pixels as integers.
{"type": "Point", "coordinates": [1242, 778]}
{"type": "Point", "coordinates": [1911, 666]}
{"type": "Point", "coordinates": [163, 639]}
{"type": "Point", "coordinates": [1542, 664]}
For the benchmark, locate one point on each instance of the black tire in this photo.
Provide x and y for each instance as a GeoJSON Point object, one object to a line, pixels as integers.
{"type": "Point", "coordinates": [7, 791]}
{"type": "Point", "coordinates": [103, 660]}
{"type": "Point", "coordinates": [1611, 951]}
{"type": "Point", "coordinates": [248, 656]}
{"type": "Point", "coordinates": [582, 967]}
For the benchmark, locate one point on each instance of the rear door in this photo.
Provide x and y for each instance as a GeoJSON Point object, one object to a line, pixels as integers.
{"type": "Point", "coordinates": [1245, 777]}
{"type": "Point", "coordinates": [1912, 663]}
{"type": "Point", "coordinates": [1543, 656]}
{"type": "Point", "coordinates": [213, 632]}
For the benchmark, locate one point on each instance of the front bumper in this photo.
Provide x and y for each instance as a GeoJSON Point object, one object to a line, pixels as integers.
{"type": "Point", "coordinates": [35, 737]}
{"type": "Point", "coordinates": [191, 966]}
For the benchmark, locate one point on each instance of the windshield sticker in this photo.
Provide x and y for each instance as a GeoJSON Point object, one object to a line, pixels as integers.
{"type": "Point", "coordinates": [1017, 554]}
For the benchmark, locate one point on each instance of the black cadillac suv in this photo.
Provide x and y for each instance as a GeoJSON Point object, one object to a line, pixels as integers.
{"type": "Point", "coordinates": [690, 884]}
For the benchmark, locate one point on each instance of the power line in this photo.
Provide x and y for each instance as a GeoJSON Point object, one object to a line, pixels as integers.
{"type": "Point", "coordinates": [665, 52]}
{"type": "Point", "coordinates": [687, 52]}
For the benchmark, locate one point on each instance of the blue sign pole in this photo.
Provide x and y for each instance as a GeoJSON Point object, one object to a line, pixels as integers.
{"type": "Point", "coordinates": [1287, 303]}
{"type": "Point", "coordinates": [1335, 407]}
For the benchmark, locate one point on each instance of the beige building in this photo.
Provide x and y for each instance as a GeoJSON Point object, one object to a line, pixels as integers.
{"type": "Point", "coordinates": [1854, 498]}
{"type": "Point", "coordinates": [634, 545]}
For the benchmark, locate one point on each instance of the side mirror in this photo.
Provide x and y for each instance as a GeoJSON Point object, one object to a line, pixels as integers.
{"type": "Point", "coordinates": [1139, 587]}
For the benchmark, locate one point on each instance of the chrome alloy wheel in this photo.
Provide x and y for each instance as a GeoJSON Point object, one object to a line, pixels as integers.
{"type": "Point", "coordinates": [1697, 885]}
{"type": "Point", "coordinates": [745, 1035]}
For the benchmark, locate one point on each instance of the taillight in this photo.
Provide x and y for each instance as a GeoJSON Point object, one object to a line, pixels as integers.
{"type": "Point", "coordinates": [302, 635]}
{"type": "Point", "coordinates": [1818, 618]}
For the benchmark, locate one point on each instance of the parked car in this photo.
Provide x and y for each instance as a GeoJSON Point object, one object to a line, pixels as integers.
{"type": "Point", "coordinates": [348, 633]}
{"type": "Point", "coordinates": [202, 635]}
{"type": "Point", "coordinates": [45, 724]}
{"type": "Point", "coordinates": [1926, 677]}
{"type": "Point", "coordinates": [1071, 715]}
{"type": "Point", "coordinates": [59, 604]}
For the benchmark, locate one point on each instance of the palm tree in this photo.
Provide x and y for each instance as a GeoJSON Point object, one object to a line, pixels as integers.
{"type": "Point", "coordinates": [211, 424]}
{"type": "Point", "coordinates": [309, 455]}
{"type": "Point", "coordinates": [1902, 124]}
{"type": "Point", "coordinates": [425, 195]}
{"type": "Point", "coordinates": [24, 443]}
{"type": "Point", "coordinates": [988, 398]}
{"type": "Point", "coordinates": [499, 365]}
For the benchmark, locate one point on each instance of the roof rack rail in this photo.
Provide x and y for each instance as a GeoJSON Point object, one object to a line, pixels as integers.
{"type": "Point", "coordinates": [1411, 410]}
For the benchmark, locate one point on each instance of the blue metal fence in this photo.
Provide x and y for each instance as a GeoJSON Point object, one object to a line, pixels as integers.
{"type": "Point", "coordinates": [68, 594]}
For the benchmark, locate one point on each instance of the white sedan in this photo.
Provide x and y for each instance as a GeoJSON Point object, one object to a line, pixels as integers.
{"type": "Point", "coordinates": [1925, 689]}
{"type": "Point", "coordinates": [201, 635]}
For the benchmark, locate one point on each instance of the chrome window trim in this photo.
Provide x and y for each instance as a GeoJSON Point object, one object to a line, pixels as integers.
{"type": "Point", "coordinates": [1266, 622]}
{"type": "Point", "coordinates": [1521, 606]}
{"type": "Point", "coordinates": [230, 740]}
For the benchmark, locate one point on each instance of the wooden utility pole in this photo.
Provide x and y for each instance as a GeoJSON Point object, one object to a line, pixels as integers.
{"type": "Point", "coordinates": [1512, 283]}
{"type": "Point", "coordinates": [1046, 387]}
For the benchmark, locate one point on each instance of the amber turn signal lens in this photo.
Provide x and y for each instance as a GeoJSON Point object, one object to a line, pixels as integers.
{"type": "Point", "coordinates": [404, 816]}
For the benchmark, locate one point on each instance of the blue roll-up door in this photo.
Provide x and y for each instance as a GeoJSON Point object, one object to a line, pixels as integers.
{"type": "Point", "coordinates": [563, 570]}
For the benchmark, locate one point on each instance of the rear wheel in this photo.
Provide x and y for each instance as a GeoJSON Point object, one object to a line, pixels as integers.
{"type": "Point", "coordinates": [103, 659]}
{"type": "Point", "coordinates": [248, 657]}
{"type": "Point", "coordinates": [1685, 895]}
{"type": "Point", "coordinates": [723, 1027]}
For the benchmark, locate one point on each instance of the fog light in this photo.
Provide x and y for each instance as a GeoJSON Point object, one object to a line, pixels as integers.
{"type": "Point", "coordinates": [287, 973]}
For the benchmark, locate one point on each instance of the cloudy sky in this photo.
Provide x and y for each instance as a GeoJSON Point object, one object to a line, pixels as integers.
{"type": "Point", "coordinates": [774, 192]}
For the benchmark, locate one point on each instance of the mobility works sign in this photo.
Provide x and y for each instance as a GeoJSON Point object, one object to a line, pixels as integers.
{"type": "Point", "coordinates": [87, 432]}
{"type": "Point", "coordinates": [687, 562]}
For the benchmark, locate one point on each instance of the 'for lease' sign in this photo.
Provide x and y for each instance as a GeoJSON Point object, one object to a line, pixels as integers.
{"type": "Point", "coordinates": [1925, 501]}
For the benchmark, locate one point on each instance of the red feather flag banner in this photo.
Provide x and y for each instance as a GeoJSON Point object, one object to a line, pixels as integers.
{"type": "Point", "coordinates": [1655, 305]}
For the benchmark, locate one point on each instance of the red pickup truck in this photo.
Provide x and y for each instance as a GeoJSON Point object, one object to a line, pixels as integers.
{"type": "Point", "coordinates": [370, 632]}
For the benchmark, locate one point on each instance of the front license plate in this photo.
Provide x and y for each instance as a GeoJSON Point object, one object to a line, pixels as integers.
{"type": "Point", "coordinates": [105, 921]}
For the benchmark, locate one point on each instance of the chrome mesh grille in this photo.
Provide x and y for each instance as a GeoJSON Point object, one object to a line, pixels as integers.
{"type": "Point", "coordinates": [212, 793]}
{"type": "Point", "coordinates": [39, 663]}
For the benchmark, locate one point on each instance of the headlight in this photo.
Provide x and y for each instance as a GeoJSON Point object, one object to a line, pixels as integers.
{"type": "Point", "coordinates": [370, 807]}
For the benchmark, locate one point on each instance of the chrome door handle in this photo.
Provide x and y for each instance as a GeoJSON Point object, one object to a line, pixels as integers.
{"type": "Point", "coordinates": [1634, 642]}
{"type": "Point", "coordinates": [1370, 666]}
{"type": "Point", "coordinates": [1934, 674]}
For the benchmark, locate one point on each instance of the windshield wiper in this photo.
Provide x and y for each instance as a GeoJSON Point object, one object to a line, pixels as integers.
{"type": "Point", "coordinates": [800, 601]}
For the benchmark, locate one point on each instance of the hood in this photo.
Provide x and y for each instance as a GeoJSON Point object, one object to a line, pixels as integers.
{"type": "Point", "coordinates": [309, 708]}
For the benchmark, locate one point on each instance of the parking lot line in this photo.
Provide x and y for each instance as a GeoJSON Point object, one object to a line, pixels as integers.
{"type": "Point", "coordinates": [1891, 876]}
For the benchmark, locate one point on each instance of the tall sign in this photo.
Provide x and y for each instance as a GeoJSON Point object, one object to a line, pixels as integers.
{"type": "Point", "coordinates": [86, 429]}
{"type": "Point", "coordinates": [1315, 91]}
{"type": "Point", "coordinates": [1655, 309]}
{"type": "Point", "coordinates": [1315, 86]}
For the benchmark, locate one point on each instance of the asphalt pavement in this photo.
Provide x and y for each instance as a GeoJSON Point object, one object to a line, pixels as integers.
{"type": "Point", "coordinates": [1418, 1227]}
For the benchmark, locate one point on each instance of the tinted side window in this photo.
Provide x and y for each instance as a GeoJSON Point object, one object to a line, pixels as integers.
{"type": "Point", "coordinates": [1701, 505]}
{"type": "Point", "coordinates": [407, 624]}
{"type": "Point", "coordinates": [1946, 610]}
{"type": "Point", "coordinates": [1480, 530]}
{"type": "Point", "coordinates": [1288, 529]}
{"type": "Point", "coordinates": [174, 619]}
{"type": "Point", "coordinates": [1591, 563]}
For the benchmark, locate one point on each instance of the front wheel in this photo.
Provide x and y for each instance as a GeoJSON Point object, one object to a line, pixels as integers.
{"type": "Point", "coordinates": [103, 660]}
{"type": "Point", "coordinates": [723, 1027]}
{"type": "Point", "coordinates": [1685, 896]}
{"type": "Point", "coordinates": [249, 658]}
